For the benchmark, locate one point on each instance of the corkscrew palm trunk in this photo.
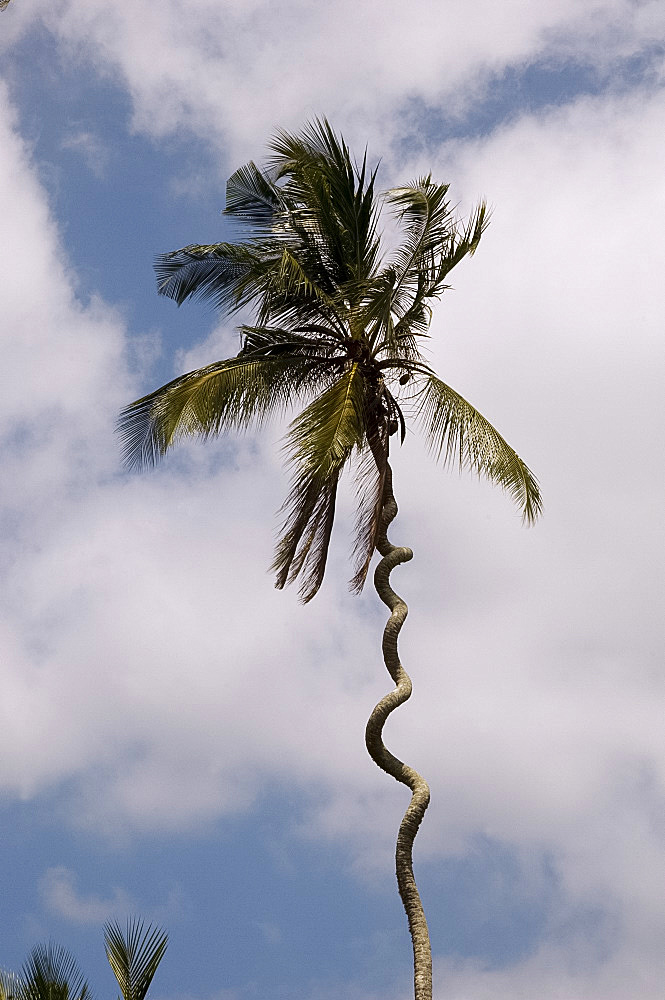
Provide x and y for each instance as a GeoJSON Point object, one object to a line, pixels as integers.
{"type": "Point", "coordinates": [393, 555]}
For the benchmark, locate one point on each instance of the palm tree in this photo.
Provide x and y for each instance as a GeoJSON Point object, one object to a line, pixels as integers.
{"type": "Point", "coordinates": [338, 328]}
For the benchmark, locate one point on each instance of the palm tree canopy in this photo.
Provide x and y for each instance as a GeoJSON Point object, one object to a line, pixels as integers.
{"type": "Point", "coordinates": [339, 326]}
{"type": "Point", "coordinates": [134, 954]}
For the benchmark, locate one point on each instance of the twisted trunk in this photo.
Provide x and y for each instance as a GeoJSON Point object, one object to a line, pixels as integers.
{"type": "Point", "coordinates": [393, 555]}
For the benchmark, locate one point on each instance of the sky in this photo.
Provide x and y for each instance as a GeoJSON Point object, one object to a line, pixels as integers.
{"type": "Point", "coordinates": [181, 741]}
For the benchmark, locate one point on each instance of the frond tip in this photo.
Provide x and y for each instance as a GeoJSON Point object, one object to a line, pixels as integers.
{"type": "Point", "coordinates": [457, 433]}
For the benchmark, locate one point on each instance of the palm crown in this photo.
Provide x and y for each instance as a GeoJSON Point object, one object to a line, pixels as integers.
{"type": "Point", "coordinates": [339, 326]}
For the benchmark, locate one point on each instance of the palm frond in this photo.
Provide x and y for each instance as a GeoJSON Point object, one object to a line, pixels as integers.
{"type": "Point", "coordinates": [227, 395]}
{"type": "Point", "coordinates": [222, 273]}
{"type": "Point", "coordinates": [50, 972]}
{"type": "Point", "coordinates": [302, 550]}
{"type": "Point", "coordinates": [320, 443]}
{"type": "Point", "coordinates": [432, 246]}
{"type": "Point", "coordinates": [134, 955]}
{"type": "Point", "coordinates": [253, 198]}
{"type": "Point", "coordinates": [457, 433]}
{"type": "Point", "coordinates": [11, 986]}
{"type": "Point", "coordinates": [425, 216]}
{"type": "Point", "coordinates": [312, 341]}
{"type": "Point", "coordinates": [463, 243]}
{"type": "Point", "coordinates": [293, 281]}
{"type": "Point", "coordinates": [370, 481]}
{"type": "Point", "coordinates": [426, 219]}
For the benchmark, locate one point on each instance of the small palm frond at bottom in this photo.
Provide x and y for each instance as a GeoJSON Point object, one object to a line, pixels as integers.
{"type": "Point", "coordinates": [50, 972]}
{"type": "Point", "coordinates": [458, 433]}
{"type": "Point", "coordinates": [134, 954]}
{"type": "Point", "coordinates": [11, 986]}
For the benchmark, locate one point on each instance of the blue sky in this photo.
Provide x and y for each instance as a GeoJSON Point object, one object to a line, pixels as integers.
{"type": "Point", "coordinates": [178, 739]}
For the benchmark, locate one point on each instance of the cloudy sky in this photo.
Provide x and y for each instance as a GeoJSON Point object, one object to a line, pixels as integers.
{"type": "Point", "coordinates": [180, 740]}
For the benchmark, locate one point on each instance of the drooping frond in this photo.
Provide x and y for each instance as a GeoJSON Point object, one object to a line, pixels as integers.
{"type": "Point", "coordinates": [51, 973]}
{"type": "Point", "coordinates": [320, 443]}
{"type": "Point", "coordinates": [134, 955]}
{"type": "Point", "coordinates": [283, 279]}
{"type": "Point", "coordinates": [457, 433]}
{"type": "Point", "coordinates": [227, 395]}
{"type": "Point", "coordinates": [370, 479]}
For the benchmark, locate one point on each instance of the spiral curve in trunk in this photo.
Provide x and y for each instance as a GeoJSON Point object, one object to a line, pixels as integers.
{"type": "Point", "coordinates": [394, 555]}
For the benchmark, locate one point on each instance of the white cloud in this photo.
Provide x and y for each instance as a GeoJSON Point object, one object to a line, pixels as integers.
{"type": "Point", "coordinates": [212, 70]}
{"type": "Point", "coordinates": [61, 896]}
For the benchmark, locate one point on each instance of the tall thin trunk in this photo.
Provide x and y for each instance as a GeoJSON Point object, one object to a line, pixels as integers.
{"type": "Point", "coordinates": [393, 555]}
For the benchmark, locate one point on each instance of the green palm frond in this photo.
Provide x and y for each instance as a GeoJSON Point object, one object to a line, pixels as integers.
{"type": "Point", "coordinates": [425, 218]}
{"type": "Point", "coordinates": [432, 245]}
{"type": "Point", "coordinates": [51, 973]}
{"type": "Point", "coordinates": [253, 198]}
{"type": "Point", "coordinates": [11, 986]}
{"type": "Point", "coordinates": [311, 341]}
{"type": "Point", "coordinates": [370, 479]}
{"type": "Point", "coordinates": [458, 434]}
{"type": "Point", "coordinates": [134, 955]}
{"type": "Point", "coordinates": [463, 243]}
{"type": "Point", "coordinates": [320, 443]}
{"type": "Point", "coordinates": [222, 274]}
{"type": "Point", "coordinates": [227, 395]}
{"type": "Point", "coordinates": [315, 144]}
{"type": "Point", "coordinates": [292, 280]}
